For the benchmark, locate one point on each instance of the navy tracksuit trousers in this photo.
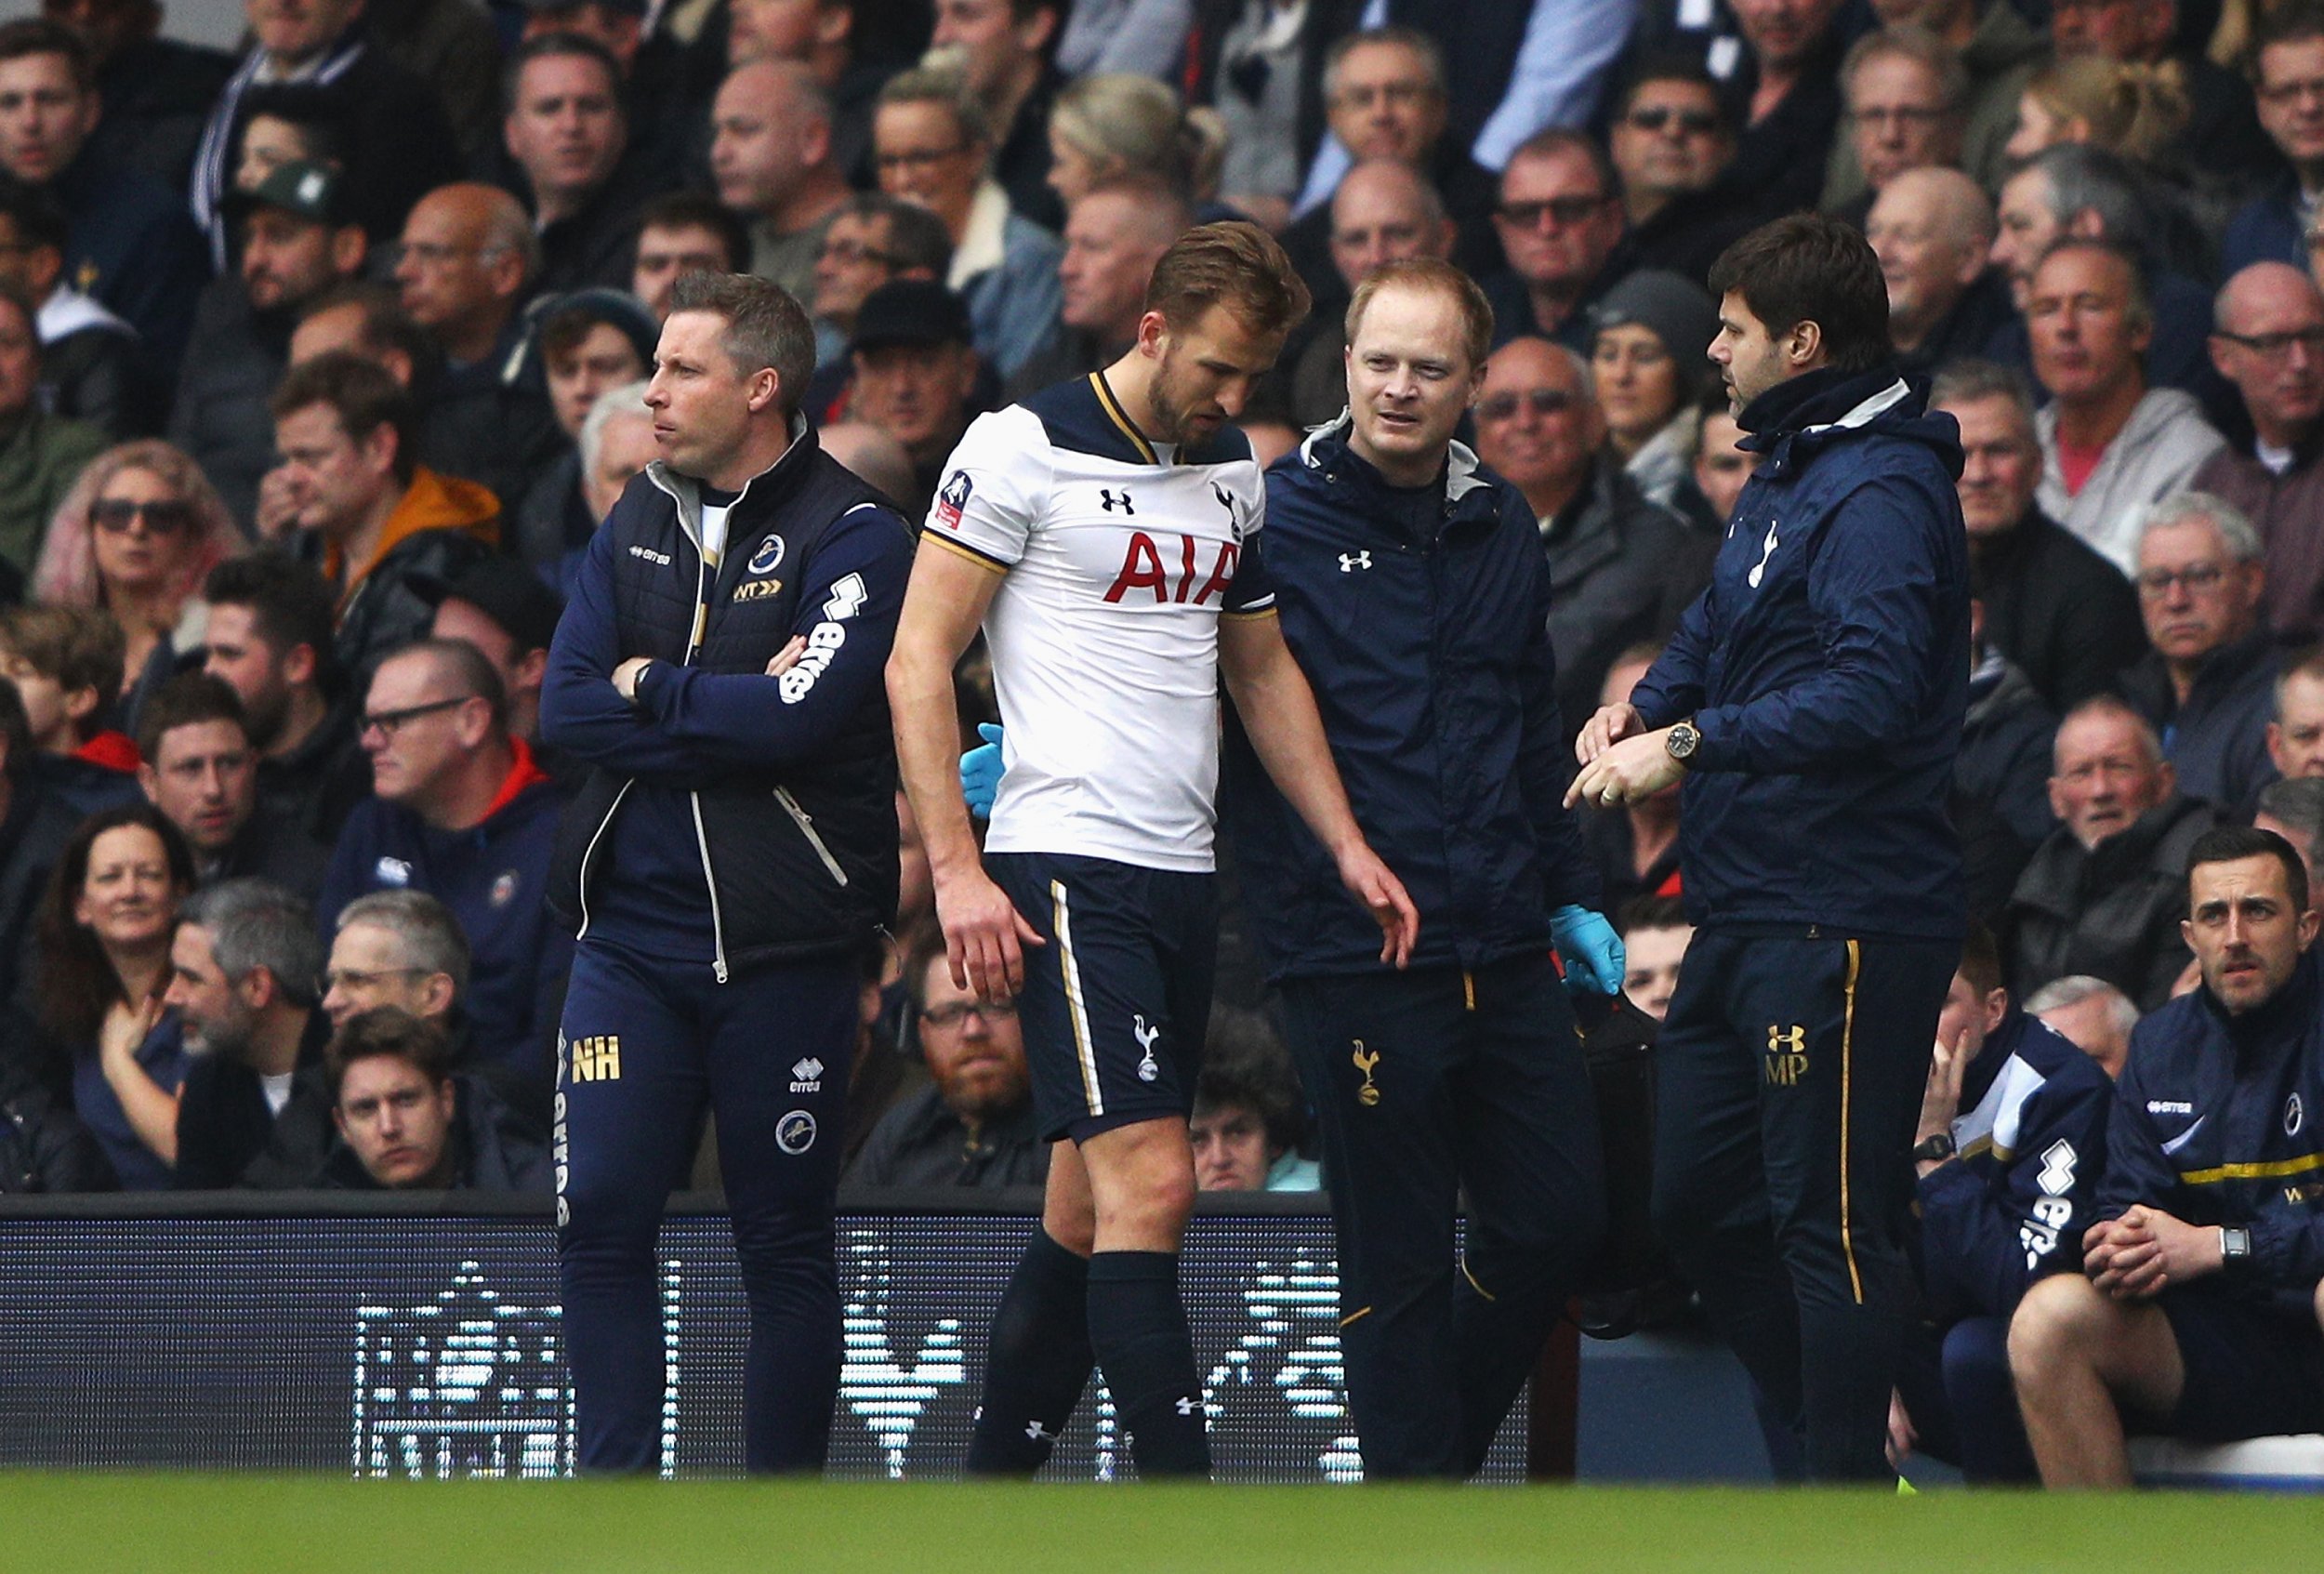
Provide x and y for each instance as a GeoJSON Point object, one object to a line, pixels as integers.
{"type": "Point", "coordinates": [645, 1045]}
{"type": "Point", "coordinates": [1788, 1080]}
{"type": "Point", "coordinates": [1427, 1084]}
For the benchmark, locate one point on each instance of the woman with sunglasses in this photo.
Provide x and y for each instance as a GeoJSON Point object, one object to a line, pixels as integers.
{"type": "Point", "coordinates": [137, 536]}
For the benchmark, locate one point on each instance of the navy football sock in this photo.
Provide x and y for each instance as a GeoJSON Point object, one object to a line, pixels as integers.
{"type": "Point", "coordinates": [1138, 1327]}
{"type": "Point", "coordinates": [1038, 1364]}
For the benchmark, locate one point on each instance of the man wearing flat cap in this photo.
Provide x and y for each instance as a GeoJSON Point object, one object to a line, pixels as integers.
{"type": "Point", "coordinates": [915, 375]}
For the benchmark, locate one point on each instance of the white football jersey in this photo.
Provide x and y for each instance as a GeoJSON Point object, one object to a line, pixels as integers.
{"type": "Point", "coordinates": [1120, 555]}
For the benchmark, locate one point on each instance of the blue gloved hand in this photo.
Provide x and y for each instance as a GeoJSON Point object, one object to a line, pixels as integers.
{"type": "Point", "coordinates": [981, 769]}
{"type": "Point", "coordinates": [1591, 950]}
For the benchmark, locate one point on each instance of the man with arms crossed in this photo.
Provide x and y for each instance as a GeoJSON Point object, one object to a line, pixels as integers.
{"type": "Point", "coordinates": [731, 854]}
{"type": "Point", "coordinates": [1107, 524]}
{"type": "Point", "coordinates": [1812, 699]}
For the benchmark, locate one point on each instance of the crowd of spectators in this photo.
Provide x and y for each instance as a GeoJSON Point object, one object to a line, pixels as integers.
{"type": "Point", "coordinates": [320, 362]}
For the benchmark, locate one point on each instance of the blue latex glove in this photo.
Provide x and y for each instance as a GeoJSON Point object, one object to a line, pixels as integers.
{"type": "Point", "coordinates": [1591, 950]}
{"type": "Point", "coordinates": [980, 769]}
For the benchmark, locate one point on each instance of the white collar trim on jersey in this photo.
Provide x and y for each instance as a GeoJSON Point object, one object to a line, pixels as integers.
{"type": "Point", "coordinates": [1892, 394]}
{"type": "Point", "coordinates": [1461, 465]}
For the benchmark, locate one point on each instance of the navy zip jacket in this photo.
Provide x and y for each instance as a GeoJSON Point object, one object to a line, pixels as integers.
{"type": "Point", "coordinates": [494, 878]}
{"type": "Point", "coordinates": [1429, 660]}
{"type": "Point", "coordinates": [2032, 1137]}
{"type": "Point", "coordinates": [731, 818]}
{"type": "Point", "coordinates": [1828, 670]}
{"type": "Point", "coordinates": [2217, 1122]}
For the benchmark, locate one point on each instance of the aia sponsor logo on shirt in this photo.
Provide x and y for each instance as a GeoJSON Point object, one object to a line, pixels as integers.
{"type": "Point", "coordinates": [1167, 568]}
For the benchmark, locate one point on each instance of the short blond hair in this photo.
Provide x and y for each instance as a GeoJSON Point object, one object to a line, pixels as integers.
{"type": "Point", "coordinates": [1428, 273]}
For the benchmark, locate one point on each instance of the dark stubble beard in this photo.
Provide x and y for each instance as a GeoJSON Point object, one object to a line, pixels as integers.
{"type": "Point", "coordinates": [1167, 403]}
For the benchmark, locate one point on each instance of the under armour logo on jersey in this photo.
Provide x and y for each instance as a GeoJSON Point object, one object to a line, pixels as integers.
{"type": "Point", "coordinates": [1105, 496]}
{"type": "Point", "coordinates": [1767, 551]}
{"type": "Point", "coordinates": [1351, 561]}
{"type": "Point", "coordinates": [1148, 1069]}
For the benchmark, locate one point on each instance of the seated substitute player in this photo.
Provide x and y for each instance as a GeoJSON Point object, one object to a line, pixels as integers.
{"type": "Point", "coordinates": [2012, 1135]}
{"type": "Point", "coordinates": [730, 857]}
{"type": "Point", "coordinates": [1098, 532]}
{"type": "Point", "coordinates": [1414, 594]}
{"type": "Point", "coordinates": [2198, 1317]}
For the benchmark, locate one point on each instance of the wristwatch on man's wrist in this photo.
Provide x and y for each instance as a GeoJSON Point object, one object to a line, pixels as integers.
{"type": "Point", "coordinates": [2235, 1246]}
{"type": "Point", "coordinates": [1934, 1150]}
{"type": "Point", "coordinates": [1682, 742]}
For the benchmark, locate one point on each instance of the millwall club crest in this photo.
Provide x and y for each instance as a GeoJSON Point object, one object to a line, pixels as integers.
{"type": "Point", "coordinates": [953, 498]}
{"type": "Point", "coordinates": [504, 888]}
{"type": "Point", "coordinates": [795, 1133]}
{"type": "Point", "coordinates": [768, 557]}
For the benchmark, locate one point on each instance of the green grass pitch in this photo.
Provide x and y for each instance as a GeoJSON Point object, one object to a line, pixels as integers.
{"type": "Point", "coordinates": [124, 1524]}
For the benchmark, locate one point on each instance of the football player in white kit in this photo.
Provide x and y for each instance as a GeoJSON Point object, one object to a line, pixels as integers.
{"type": "Point", "coordinates": [1105, 533]}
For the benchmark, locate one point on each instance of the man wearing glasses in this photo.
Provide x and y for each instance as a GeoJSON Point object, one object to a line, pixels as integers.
{"type": "Point", "coordinates": [1673, 145]}
{"type": "Point", "coordinates": [2208, 686]}
{"type": "Point", "coordinates": [2288, 89]}
{"type": "Point", "coordinates": [460, 812]}
{"type": "Point", "coordinates": [468, 259]}
{"type": "Point", "coordinates": [1904, 93]}
{"type": "Point", "coordinates": [1384, 97]}
{"type": "Point", "coordinates": [1559, 222]}
{"type": "Point", "coordinates": [875, 240]}
{"type": "Point", "coordinates": [1624, 568]}
{"type": "Point", "coordinates": [973, 1124]}
{"type": "Point", "coordinates": [2268, 340]}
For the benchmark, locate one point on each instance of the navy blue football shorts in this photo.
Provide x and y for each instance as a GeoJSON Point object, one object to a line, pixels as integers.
{"type": "Point", "coordinates": [2252, 1372]}
{"type": "Point", "coordinates": [1116, 1002]}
